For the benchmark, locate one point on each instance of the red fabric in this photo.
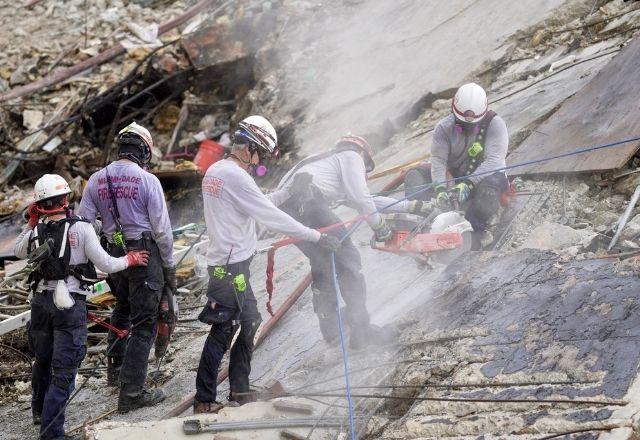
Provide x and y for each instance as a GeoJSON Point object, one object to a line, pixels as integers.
{"type": "Point", "coordinates": [271, 256]}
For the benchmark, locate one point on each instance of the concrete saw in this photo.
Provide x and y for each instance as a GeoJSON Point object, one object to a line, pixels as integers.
{"type": "Point", "coordinates": [445, 236]}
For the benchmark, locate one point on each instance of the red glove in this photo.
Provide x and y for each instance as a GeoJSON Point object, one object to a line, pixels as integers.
{"type": "Point", "coordinates": [137, 258]}
{"type": "Point", "coordinates": [33, 215]}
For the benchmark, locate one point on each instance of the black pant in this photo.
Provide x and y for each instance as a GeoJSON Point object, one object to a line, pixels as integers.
{"type": "Point", "coordinates": [484, 199]}
{"type": "Point", "coordinates": [137, 291]}
{"type": "Point", "coordinates": [58, 340]}
{"type": "Point", "coordinates": [229, 319]}
{"type": "Point", "coordinates": [314, 212]}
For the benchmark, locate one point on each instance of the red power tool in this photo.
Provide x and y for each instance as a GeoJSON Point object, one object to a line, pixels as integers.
{"type": "Point", "coordinates": [445, 236]}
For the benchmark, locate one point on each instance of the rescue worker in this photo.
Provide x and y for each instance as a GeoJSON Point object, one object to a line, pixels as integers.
{"type": "Point", "coordinates": [233, 204]}
{"type": "Point", "coordinates": [130, 202]}
{"type": "Point", "coordinates": [57, 331]}
{"type": "Point", "coordinates": [471, 140]}
{"type": "Point", "coordinates": [316, 183]}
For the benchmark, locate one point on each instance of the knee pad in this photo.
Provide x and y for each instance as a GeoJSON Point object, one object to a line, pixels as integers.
{"type": "Point", "coordinates": [248, 331]}
{"type": "Point", "coordinates": [485, 202]}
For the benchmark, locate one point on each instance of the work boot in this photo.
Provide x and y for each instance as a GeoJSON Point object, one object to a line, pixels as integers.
{"type": "Point", "coordinates": [114, 365]}
{"type": "Point", "coordinates": [133, 397]}
{"type": "Point", "coordinates": [243, 397]}
{"type": "Point", "coordinates": [206, 407]}
{"type": "Point", "coordinates": [67, 437]}
{"type": "Point", "coordinates": [372, 335]}
{"type": "Point", "coordinates": [37, 418]}
{"type": "Point", "coordinates": [329, 328]}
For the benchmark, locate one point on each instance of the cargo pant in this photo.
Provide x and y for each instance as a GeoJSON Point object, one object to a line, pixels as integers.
{"type": "Point", "coordinates": [314, 212]}
{"type": "Point", "coordinates": [137, 291]}
{"type": "Point", "coordinates": [225, 321]}
{"type": "Point", "coordinates": [58, 340]}
{"type": "Point", "coordinates": [484, 199]}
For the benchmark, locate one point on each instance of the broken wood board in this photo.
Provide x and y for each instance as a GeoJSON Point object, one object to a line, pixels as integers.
{"type": "Point", "coordinates": [604, 111]}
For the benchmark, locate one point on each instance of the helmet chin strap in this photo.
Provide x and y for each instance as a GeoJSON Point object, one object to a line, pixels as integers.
{"type": "Point", "coordinates": [254, 169]}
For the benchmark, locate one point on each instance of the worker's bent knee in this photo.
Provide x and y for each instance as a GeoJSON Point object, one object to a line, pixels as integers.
{"type": "Point", "coordinates": [414, 181]}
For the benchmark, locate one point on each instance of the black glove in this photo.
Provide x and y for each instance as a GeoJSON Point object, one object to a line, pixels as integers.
{"type": "Point", "coordinates": [382, 231]}
{"type": "Point", "coordinates": [170, 278]}
{"type": "Point", "coordinates": [329, 242]}
{"type": "Point", "coordinates": [301, 185]}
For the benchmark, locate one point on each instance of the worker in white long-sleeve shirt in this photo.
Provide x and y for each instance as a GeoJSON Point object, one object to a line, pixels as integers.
{"type": "Point", "coordinates": [58, 328]}
{"type": "Point", "coordinates": [316, 183]}
{"type": "Point", "coordinates": [233, 204]}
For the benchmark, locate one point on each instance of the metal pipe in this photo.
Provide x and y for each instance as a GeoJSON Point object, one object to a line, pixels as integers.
{"type": "Point", "coordinates": [625, 217]}
{"type": "Point", "coordinates": [460, 399]}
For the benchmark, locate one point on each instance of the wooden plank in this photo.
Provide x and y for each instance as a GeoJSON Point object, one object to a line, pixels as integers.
{"type": "Point", "coordinates": [605, 110]}
{"type": "Point", "coordinates": [15, 322]}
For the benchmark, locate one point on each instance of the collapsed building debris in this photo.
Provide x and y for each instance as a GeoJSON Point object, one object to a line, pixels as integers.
{"type": "Point", "coordinates": [521, 339]}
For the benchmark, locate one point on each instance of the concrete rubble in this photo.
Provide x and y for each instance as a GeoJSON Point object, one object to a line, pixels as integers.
{"type": "Point", "coordinates": [544, 313]}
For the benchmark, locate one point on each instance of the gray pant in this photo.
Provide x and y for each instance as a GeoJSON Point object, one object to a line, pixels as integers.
{"type": "Point", "coordinates": [315, 213]}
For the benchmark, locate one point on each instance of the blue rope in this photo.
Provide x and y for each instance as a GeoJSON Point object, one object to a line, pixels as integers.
{"type": "Point", "coordinates": [423, 188]}
{"type": "Point", "coordinates": [345, 357]}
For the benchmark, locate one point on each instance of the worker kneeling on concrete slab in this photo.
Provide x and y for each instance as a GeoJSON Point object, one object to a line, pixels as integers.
{"type": "Point", "coordinates": [472, 140]}
{"type": "Point", "coordinates": [233, 204]}
{"type": "Point", "coordinates": [63, 248]}
{"type": "Point", "coordinates": [131, 204]}
{"type": "Point", "coordinates": [316, 183]}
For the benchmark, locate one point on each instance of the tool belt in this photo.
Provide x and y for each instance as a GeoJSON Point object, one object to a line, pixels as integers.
{"type": "Point", "coordinates": [145, 242]}
{"type": "Point", "coordinates": [226, 294]}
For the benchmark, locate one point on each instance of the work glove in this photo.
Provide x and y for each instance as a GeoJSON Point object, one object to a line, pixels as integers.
{"type": "Point", "coordinates": [137, 258]}
{"type": "Point", "coordinates": [421, 208]}
{"type": "Point", "coordinates": [300, 185]}
{"type": "Point", "coordinates": [329, 242]}
{"type": "Point", "coordinates": [462, 191]}
{"type": "Point", "coordinates": [170, 278]}
{"type": "Point", "coordinates": [382, 231]}
{"type": "Point", "coordinates": [33, 215]}
{"type": "Point", "coordinates": [442, 197]}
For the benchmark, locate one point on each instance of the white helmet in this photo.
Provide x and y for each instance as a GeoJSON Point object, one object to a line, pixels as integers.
{"type": "Point", "coordinates": [258, 131]}
{"type": "Point", "coordinates": [135, 143]}
{"type": "Point", "coordinates": [139, 130]}
{"type": "Point", "coordinates": [470, 103]}
{"type": "Point", "coordinates": [49, 186]}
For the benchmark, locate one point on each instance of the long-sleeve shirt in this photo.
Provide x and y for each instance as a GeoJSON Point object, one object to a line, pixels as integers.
{"type": "Point", "coordinates": [141, 204]}
{"type": "Point", "coordinates": [450, 149]}
{"type": "Point", "coordinates": [84, 245]}
{"type": "Point", "coordinates": [233, 204]}
{"type": "Point", "coordinates": [342, 176]}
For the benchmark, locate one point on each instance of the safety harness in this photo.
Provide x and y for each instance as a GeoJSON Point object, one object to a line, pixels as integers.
{"type": "Point", "coordinates": [317, 157]}
{"type": "Point", "coordinates": [55, 266]}
{"type": "Point", "coordinates": [476, 151]}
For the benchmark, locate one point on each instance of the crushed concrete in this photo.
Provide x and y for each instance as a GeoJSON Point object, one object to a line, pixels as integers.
{"type": "Point", "coordinates": [554, 236]}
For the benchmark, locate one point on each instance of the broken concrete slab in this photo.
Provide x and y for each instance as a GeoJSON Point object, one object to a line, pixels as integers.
{"type": "Point", "coordinates": [609, 99]}
{"type": "Point", "coordinates": [545, 317]}
{"type": "Point", "coordinates": [364, 67]}
{"type": "Point", "coordinates": [554, 236]}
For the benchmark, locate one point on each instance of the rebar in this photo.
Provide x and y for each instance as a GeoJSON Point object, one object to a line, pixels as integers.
{"type": "Point", "coordinates": [472, 400]}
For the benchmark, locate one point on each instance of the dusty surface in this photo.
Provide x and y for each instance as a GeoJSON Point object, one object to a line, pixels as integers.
{"type": "Point", "coordinates": [519, 315]}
